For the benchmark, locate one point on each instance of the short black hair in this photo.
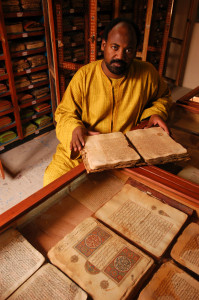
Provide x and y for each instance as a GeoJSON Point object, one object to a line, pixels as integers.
{"type": "Point", "coordinates": [116, 21]}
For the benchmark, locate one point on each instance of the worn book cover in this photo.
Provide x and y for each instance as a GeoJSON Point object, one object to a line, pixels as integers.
{"type": "Point", "coordinates": [19, 260]}
{"type": "Point", "coordinates": [186, 249]}
{"type": "Point", "coordinates": [49, 283]}
{"type": "Point", "coordinates": [143, 219]}
{"type": "Point", "coordinates": [102, 263]}
{"type": "Point", "coordinates": [171, 283]}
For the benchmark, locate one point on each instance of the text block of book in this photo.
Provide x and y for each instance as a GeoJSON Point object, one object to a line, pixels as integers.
{"type": "Point", "coordinates": [186, 250]}
{"type": "Point", "coordinates": [19, 260]}
{"type": "Point", "coordinates": [106, 151]}
{"type": "Point", "coordinates": [102, 263]}
{"type": "Point", "coordinates": [49, 283]}
{"type": "Point", "coordinates": [170, 282]}
{"type": "Point", "coordinates": [156, 146]}
{"type": "Point", "coordinates": [144, 220]}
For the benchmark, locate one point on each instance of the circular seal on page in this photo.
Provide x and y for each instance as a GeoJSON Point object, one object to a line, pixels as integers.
{"type": "Point", "coordinates": [122, 263]}
{"type": "Point", "coordinates": [104, 284]}
{"type": "Point", "coordinates": [74, 258]}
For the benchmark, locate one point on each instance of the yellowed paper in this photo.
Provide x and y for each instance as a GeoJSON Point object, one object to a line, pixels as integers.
{"type": "Point", "coordinates": [171, 283]}
{"type": "Point", "coordinates": [19, 260]}
{"type": "Point", "coordinates": [143, 219]}
{"type": "Point", "coordinates": [102, 263]}
{"type": "Point", "coordinates": [186, 250]}
{"type": "Point", "coordinates": [49, 283]}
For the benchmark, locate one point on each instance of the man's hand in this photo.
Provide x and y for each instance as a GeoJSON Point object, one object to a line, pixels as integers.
{"type": "Point", "coordinates": [78, 138]}
{"type": "Point", "coordinates": [157, 120]}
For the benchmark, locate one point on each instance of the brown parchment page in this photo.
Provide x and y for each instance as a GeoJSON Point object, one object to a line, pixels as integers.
{"type": "Point", "coordinates": [102, 263]}
{"type": "Point", "coordinates": [171, 283]}
{"type": "Point", "coordinates": [143, 219]}
{"type": "Point", "coordinates": [49, 283]}
{"type": "Point", "coordinates": [19, 260]}
{"type": "Point", "coordinates": [186, 249]}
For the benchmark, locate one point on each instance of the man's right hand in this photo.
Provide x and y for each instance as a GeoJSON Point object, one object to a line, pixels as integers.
{"type": "Point", "coordinates": [78, 138]}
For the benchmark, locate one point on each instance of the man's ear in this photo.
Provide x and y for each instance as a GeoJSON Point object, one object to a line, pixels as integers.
{"type": "Point", "coordinates": [103, 44]}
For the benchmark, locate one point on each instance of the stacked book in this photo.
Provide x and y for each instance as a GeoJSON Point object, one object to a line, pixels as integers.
{"type": "Point", "coordinates": [32, 26]}
{"type": "Point", "coordinates": [3, 87]}
{"type": "Point", "coordinates": [22, 82]}
{"type": "Point", "coordinates": [37, 60]}
{"type": "Point", "coordinates": [26, 113]}
{"type": "Point", "coordinates": [20, 65]}
{"type": "Point", "coordinates": [7, 136]}
{"type": "Point", "coordinates": [31, 5]}
{"type": "Point", "coordinates": [4, 121]}
{"type": "Point", "coordinates": [41, 92]}
{"type": "Point", "coordinates": [5, 104]}
{"type": "Point", "coordinates": [11, 5]}
{"type": "Point", "coordinates": [13, 28]}
{"type": "Point", "coordinates": [43, 121]}
{"type": "Point", "coordinates": [41, 107]}
{"type": "Point", "coordinates": [25, 97]}
{"type": "Point", "coordinates": [39, 76]}
{"type": "Point", "coordinates": [29, 128]}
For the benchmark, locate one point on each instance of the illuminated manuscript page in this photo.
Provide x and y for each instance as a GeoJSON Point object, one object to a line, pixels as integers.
{"type": "Point", "coordinates": [186, 250]}
{"type": "Point", "coordinates": [143, 219]}
{"type": "Point", "coordinates": [102, 263]}
{"type": "Point", "coordinates": [171, 283]}
{"type": "Point", "coordinates": [49, 283]}
{"type": "Point", "coordinates": [19, 260]}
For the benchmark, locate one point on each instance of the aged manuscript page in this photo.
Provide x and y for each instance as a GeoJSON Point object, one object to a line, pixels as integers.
{"type": "Point", "coordinates": [19, 260]}
{"type": "Point", "coordinates": [143, 219]}
{"type": "Point", "coordinates": [106, 151]}
{"type": "Point", "coordinates": [186, 250]}
{"type": "Point", "coordinates": [102, 263]}
{"type": "Point", "coordinates": [171, 283]}
{"type": "Point", "coordinates": [49, 283]}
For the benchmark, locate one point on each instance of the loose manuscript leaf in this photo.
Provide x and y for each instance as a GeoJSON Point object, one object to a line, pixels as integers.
{"type": "Point", "coordinates": [186, 250]}
{"type": "Point", "coordinates": [102, 263]}
{"type": "Point", "coordinates": [19, 260]}
{"type": "Point", "coordinates": [144, 220]}
{"type": "Point", "coordinates": [49, 283]}
{"type": "Point", "coordinates": [171, 283]}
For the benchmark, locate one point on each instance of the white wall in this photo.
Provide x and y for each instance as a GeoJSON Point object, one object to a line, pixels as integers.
{"type": "Point", "coordinates": [191, 75]}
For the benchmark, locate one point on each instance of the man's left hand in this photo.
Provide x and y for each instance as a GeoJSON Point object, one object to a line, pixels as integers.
{"type": "Point", "coordinates": [157, 120]}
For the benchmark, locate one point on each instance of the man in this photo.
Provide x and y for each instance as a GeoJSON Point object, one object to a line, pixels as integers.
{"type": "Point", "coordinates": [108, 95]}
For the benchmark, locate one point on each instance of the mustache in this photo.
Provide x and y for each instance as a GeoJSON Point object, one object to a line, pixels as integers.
{"type": "Point", "coordinates": [121, 62]}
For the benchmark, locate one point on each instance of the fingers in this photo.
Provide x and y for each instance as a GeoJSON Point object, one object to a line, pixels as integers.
{"type": "Point", "coordinates": [157, 120]}
{"type": "Point", "coordinates": [77, 142]}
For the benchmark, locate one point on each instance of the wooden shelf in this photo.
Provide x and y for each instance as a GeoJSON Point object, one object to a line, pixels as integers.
{"type": "Point", "coordinates": [3, 77]}
{"type": "Point", "coordinates": [28, 52]}
{"type": "Point", "coordinates": [32, 86]}
{"type": "Point", "coordinates": [21, 14]}
{"type": "Point", "coordinates": [4, 94]}
{"type": "Point", "coordinates": [31, 70]}
{"type": "Point", "coordinates": [7, 127]}
{"type": "Point", "coordinates": [35, 101]}
{"type": "Point", "coordinates": [7, 111]}
{"type": "Point", "coordinates": [36, 115]}
{"type": "Point", "coordinates": [25, 34]}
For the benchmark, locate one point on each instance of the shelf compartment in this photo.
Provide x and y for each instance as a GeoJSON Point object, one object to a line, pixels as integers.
{"type": "Point", "coordinates": [25, 34]}
{"type": "Point", "coordinates": [31, 86]}
{"type": "Point", "coordinates": [3, 77]}
{"type": "Point", "coordinates": [28, 52]}
{"type": "Point", "coordinates": [7, 127]}
{"type": "Point", "coordinates": [31, 70]}
{"type": "Point", "coordinates": [22, 14]}
{"type": "Point", "coordinates": [36, 115]}
{"type": "Point", "coordinates": [4, 94]}
{"type": "Point", "coordinates": [7, 111]}
{"type": "Point", "coordinates": [35, 101]}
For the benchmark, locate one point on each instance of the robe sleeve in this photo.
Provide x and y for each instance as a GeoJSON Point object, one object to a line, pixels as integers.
{"type": "Point", "coordinates": [160, 100]}
{"type": "Point", "coordinates": [68, 113]}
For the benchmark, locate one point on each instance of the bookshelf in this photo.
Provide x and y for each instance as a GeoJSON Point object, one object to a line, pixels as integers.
{"type": "Point", "coordinates": [26, 101]}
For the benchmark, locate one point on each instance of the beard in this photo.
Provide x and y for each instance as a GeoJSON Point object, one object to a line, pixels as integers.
{"type": "Point", "coordinates": [117, 70]}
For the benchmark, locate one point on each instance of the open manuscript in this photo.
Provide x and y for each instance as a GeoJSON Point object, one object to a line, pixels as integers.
{"type": "Point", "coordinates": [143, 219]}
{"type": "Point", "coordinates": [142, 146]}
{"type": "Point", "coordinates": [102, 263]}
{"type": "Point", "coordinates": [171, 283]}
{"type": "Point", "coordinates": [21, 272]}
{"type": "Point", "coordinates": [186, 250]}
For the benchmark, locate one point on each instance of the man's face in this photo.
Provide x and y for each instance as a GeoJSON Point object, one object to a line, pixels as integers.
{"type": "Point", "coordinates": [119, 50]}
